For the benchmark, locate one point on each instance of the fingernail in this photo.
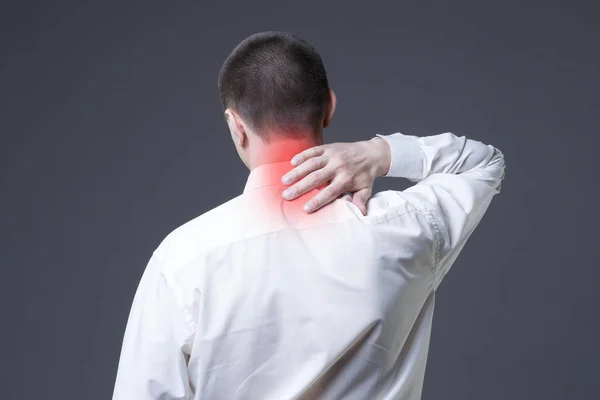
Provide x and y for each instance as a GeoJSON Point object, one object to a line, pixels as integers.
{"type": "Point", "coordinates": [294, 161]}
{"type": "Point", "coordinates": [287, 194]}
{"type": "Point", "coordinates": [286, 179]}
{"type": "Point", "coordinates": [308, 207]}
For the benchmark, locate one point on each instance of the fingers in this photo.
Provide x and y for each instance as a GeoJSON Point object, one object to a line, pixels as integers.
{"type": "Point", "coordinates": [306, 154]}
{"type": "Point", "coordinates": [324, 197]}
{"type": "Point", "coordinates": [360, 199]}
{"type": "Point", "coordinates": [312, 181]}
{"type": "Point", "coordinates": [303, 169]}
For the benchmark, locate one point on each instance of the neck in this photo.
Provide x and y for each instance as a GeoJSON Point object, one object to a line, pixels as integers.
{"type": "Point", "coordinates": [282, 150]}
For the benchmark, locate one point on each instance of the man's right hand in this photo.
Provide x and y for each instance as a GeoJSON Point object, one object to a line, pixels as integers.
{"type": "Point", "coordinates": [348, 167]}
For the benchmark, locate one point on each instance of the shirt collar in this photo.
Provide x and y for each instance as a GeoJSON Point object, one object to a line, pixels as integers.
{"type": "Point", "coordinates": [267, 175]}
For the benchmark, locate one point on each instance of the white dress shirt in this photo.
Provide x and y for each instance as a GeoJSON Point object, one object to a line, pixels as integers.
{"type": "Point", "coordinates": [257, 299]}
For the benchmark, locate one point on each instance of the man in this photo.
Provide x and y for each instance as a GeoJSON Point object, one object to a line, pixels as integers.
{"type": "Point", "coordinates": [262, 299]}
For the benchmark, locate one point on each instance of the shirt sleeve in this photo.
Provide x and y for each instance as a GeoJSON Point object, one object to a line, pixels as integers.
{"type": "Point", "coordinates": [154, 354]}
{"type": "Point", "coordinates": [456, 179]}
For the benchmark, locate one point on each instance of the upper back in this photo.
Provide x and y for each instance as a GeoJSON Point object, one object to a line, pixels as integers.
{"type": "Point", "coordinates": [278, 295]}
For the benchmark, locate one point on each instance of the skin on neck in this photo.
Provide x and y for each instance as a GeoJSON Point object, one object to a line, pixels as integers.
{"type": "Point", "coordinates": [279, 150]}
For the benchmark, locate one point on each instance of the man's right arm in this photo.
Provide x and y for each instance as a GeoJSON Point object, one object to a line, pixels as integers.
{"type": "Point", "coordinates": [456, 180]}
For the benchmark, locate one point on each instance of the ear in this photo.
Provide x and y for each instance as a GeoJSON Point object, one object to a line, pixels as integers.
{"type": "Point", "coordinates": [330, 108]}
{"type": "Point", "coordinates": [236, 127]}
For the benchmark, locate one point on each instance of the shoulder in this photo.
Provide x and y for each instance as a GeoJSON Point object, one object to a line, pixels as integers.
{"type": "Point", "coordinates": [214, 228]}
{"type": "Point", "coordinates": [391, 204]}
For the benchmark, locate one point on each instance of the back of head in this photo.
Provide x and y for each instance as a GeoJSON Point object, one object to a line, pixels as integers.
{"type": "Point", "coordinates": [277, 83]}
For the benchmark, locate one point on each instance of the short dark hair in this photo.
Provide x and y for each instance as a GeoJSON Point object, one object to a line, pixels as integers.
{"type": "Point", "coordinates": [276, 82]}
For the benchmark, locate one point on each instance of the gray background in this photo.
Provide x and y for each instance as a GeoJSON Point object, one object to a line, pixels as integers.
{"type": "Point", "coordinates": [112, 136]}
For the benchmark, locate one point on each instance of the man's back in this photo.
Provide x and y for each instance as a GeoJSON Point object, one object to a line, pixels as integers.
{"type": "Point", "coordinates": [257, 299]}
{"type": "Point", "coordinates": [293, 304]}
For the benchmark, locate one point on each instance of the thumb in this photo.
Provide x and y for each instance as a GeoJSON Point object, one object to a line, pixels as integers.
{"type": "Point", "coordinates": [360, 199]}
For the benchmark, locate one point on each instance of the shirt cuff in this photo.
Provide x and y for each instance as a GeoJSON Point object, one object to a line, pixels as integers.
{"type": "Point", "coordinates": [406, 156]}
